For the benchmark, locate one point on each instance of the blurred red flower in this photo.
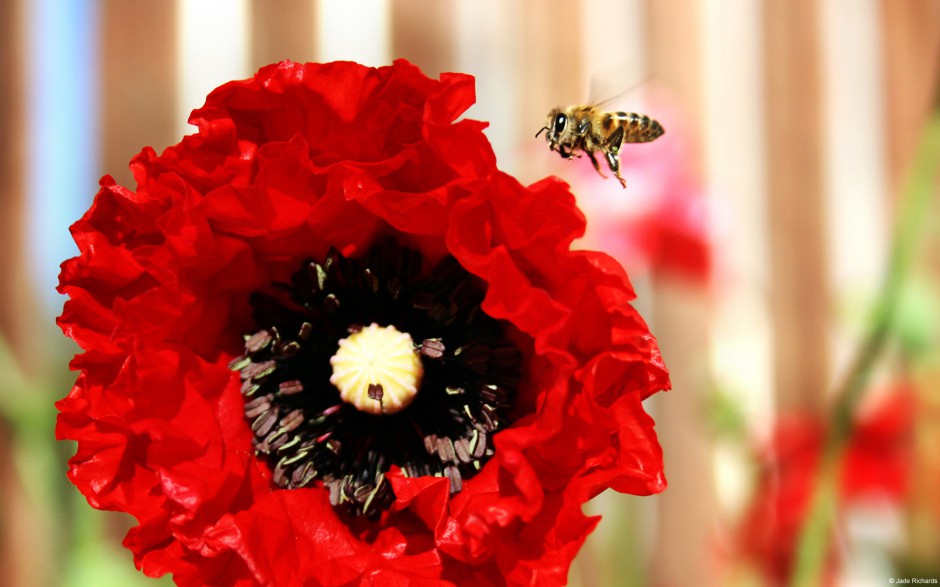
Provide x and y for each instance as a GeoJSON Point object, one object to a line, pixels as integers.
{"type": "Point", "coordinates": [875, 464]}
{"type": "Point", "coordinates": [315, 198]}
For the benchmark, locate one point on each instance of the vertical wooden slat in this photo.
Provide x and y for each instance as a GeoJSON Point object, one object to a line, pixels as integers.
{"type": "Point", "coordinates": [686, 510]}
{"type": "Point", "coordinates": [423, 33]}
{"type": "Point", "coordinates": [282, 29]}
{"type": "Point", "coordinates": [355, 30]}
{"type": "Point", "coordinates": [799, 293]}
{"type": "Point", "coordinates": [674, 62]}
{"type": "Point", "coordinates": [733, 144]}
{"type": "Point", "coordinates": [26, 553]}
{"type": "Point", "coordinates": [552, 65]}
{"type": "Point", "coordinates": [14, 296]}
{"type": "Point", "coordinates": [854, 160]}
{"type": "Point", "coordinates": [11, 221]}
{"type": "Point", "coordinates": [912, 76]}
{"type": "Point", "coordinates": [551, 73]}
{"type": "Point", "coordinates": [213, 49]}
{"type": "Point", "coordinates": [138, 97]}
{"type": "Point", "coordinates": [488, 44]}
{"type": "Point", "coordinates": [24, 546]}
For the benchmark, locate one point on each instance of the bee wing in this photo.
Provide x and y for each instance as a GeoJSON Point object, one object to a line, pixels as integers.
{"type": "Point", "coordinates": [613, 81]}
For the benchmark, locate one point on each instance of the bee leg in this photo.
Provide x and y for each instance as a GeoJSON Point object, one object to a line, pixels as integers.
{"type": "Point", "coordinates": [569, 155]}
{"type": "Point", "coordinates": [577, 146]}
{"type": "Point", "coordinates": [612, 151]}
{"type": "Point", "coordinates": [614, 163]}
{"type": "Point", "coordinates": [594, 162]}
{"type": "Point", "coordinates": [612, 145]}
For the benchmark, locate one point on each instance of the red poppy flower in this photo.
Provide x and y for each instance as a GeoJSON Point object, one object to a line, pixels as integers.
{"type": "Point", "coordinates": [332, 206]}
{"type": "Point", "coordinates": [875, 464]}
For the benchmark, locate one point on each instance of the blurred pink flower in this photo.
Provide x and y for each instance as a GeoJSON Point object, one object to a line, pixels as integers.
{"type": "Point", "coordinates": [661, 222]}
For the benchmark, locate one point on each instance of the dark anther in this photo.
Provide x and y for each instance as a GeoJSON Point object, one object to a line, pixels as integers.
{"type": "Point", "coordinates": [462, 449]}
{"type": "Point", "coordinates": [258, 341]}
{"type": "Point", "coordinates": [290, 387]}
{"type": "Point", "coordinates": [394, 287]}
{"type": "Point", "coordinates": [371, 281]}
{"type": "Point", "coordinates": [432, 348]}
{"type": "Point", "coordinates": [289, 349]}
{"type": "Point", "coordinates": [453, 474]}
{"type": "Point", "coordinates": [376, 391]}
{"type": "Point", "coordinates": [292, 420]}
{"type": "Point", "coordinates": [445, 449]}
{"type": "Point", "coordinates": [430, 443]}
{"type": "Point", "coordinates": [257, 406]}
{"type": "Point", "coordinates": [331, 303]}
{"type": "Point", "coordinates": [488, 393]}
{"type": "Point", "coordinates": [263, 423]}
{"type": "Point", "coordinates": [320, 272]}
{"type": "Point", "coordinates": [258, 371]}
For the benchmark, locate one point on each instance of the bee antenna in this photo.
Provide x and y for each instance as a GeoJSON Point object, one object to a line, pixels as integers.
{"type": "Point", "coordinates": [544, 128]}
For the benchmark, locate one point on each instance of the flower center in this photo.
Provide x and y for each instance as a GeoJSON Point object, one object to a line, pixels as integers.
{"type": "Point", "coordinates": [377, 369]}
{"type": "Point", "coordinates": [361, 364]}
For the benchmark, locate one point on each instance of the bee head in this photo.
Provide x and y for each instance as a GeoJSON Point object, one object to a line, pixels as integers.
{"type": "Point", "coordinates": [555, 124]}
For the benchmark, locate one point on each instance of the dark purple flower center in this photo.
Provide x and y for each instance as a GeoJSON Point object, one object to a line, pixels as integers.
{"type": "Point", "coordinates": [308, 434]}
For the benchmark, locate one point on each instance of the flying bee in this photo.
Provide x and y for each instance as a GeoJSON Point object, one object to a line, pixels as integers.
{"type": "Point", "coordinates": [590, 129]}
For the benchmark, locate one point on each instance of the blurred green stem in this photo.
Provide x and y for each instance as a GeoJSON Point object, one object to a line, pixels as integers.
{"type": "Point", "coordinates": [913, 212]}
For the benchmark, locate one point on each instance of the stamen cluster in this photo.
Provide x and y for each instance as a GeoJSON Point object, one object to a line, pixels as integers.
{"type": "Point", "coordinates": [305, 430]}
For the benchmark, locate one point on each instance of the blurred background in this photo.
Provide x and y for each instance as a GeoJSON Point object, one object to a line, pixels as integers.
{"type": "Point", "coordinates": [782, 237]}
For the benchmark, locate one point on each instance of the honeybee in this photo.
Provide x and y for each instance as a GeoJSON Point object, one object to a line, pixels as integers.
{"type": "Point", "coordinates": [590, 129]}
